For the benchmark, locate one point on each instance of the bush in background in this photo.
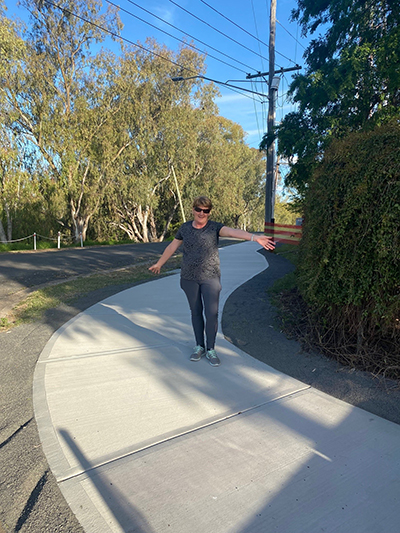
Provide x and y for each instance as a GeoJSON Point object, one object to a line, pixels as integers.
{"type": "Point", "coordinates": [350, 252]}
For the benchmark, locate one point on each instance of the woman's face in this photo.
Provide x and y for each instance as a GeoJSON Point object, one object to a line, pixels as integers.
{"type": "Point", "coordinates": [201, 214]}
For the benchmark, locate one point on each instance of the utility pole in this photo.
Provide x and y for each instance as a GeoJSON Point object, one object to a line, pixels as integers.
{"type": "Point", "coordinates": [273, 85]}
{"type": "Point", "coordinates": [272, 92]}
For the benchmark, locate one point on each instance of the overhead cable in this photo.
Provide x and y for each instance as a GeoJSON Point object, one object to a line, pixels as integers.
{"type": "Point", "coordinates": [293, 37]}
{"type": "Point", "coordinates": [113, 34]}
{"type": "Point", "coordinates": [262, 65]}
{"type": "Point", "coordinates": [116, 35]}
{"type": "Point", "coordinates": [240, 27]}
{"type": "Point", "coordinates": [215, 29]}
{"type": "Point", "coordinates": [180, 40]}
{"type": "Point", "coordinates": [255, 25]}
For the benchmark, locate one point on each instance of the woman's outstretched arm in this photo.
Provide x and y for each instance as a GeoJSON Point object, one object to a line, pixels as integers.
{"type": "Point", "coordinates": [168, 252]}
{"type": "Point", "coordinates": [262, 240]}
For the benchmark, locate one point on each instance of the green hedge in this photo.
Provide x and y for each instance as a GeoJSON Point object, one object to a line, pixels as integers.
{"type": "Point", "coordinates": [349, 268]}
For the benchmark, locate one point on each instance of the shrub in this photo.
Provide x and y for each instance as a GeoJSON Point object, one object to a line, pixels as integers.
{"type": "Point", "coordinates": [350, 252]}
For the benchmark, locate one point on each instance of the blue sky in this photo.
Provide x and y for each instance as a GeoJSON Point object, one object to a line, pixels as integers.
{"type": "Point", "coordinates": [220, 36]}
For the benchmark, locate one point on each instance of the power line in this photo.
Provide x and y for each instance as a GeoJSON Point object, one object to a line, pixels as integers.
{"type": "Point", "coordinates": [180, 40]}
{"type": "Point", "coordinates": [113, 34]}
{"type": "Point", "coordinates": [240, 27]}
{"type": "Point", "coordinates": [173, 36]}
{"type": "Point", "coordinates": [262, 64]}
{"type": "Point", "coordinates": [117, 36]}
{"type": "Point", "coordinates": [215, 29]}
{"type": "Point", "coordinates": [256, 115]}
{"type": "Point", "coordinates": [255, 24]}
{"type": "Point", "coordinates": [293, 37]}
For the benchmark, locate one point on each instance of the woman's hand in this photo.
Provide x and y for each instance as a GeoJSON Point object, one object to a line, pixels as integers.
{"type": "Point", "coordinates": [265, 242]}
{"type": "Point", "coordinates": [168, 252]}
{"type": "Point", "coordinates": [155, 268]}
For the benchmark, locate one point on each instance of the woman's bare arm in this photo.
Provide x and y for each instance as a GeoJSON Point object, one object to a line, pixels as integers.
{"type": "Point", "coordinates": [262, 240]}
{"type": "Point", "coordinates": [168, 252]}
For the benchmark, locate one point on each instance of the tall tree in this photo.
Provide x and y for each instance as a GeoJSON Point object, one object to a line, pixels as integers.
{"type": "Point", "coordinates": [162, 120]}
{"type": "Point", "coordinates": [12, 48]}
{"type": "Point", "coordinates": [63, 104]}
{"type": "Point", "coordinates": [352, 79]}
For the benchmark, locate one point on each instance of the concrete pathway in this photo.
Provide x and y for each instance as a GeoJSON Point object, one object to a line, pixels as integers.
{"type": "Point", "coordinates": [140, 439]}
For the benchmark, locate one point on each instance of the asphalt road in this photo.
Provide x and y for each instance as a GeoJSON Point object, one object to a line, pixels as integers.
{"type": "Point", "coordinates": [20, 270]}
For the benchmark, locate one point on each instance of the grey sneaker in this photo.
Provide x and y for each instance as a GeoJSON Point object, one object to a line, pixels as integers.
{"type": "Point", "coordinates": [213, 358]}
{"type": "Point", "coordinates": [198, 352]}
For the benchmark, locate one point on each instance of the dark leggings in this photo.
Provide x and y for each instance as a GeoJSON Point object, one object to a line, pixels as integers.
{"type": "Point", "coordinates": [203, 295]}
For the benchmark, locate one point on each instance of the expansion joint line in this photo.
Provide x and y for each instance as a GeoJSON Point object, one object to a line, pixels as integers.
{"type": "Point", "coordinates": [184, 433]}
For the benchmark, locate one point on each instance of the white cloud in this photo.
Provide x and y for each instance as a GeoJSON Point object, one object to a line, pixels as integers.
{"type": "Point", "coordinates": [229, 98]}
{"type": "Point", "coordinates": [163, 10]}
{"type": "Point", "coordinates": [166, 14]}
{"type": "Point", "coordinates": [255, 133]}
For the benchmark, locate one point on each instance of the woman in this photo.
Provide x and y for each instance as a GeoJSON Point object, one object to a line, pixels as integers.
{"type": "Point", "coordinates": [200, 272]}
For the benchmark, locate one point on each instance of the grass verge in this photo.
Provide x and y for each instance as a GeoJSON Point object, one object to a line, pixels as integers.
{"type": "Point", "coordinates": [27, 245]}
{"type": "Point", "coordinates": [288, 282]}
{"type": "Point", "coordinates": [289, 251]}
{"type": "Point", "coordinates": [40, 301]}
{"type": "Point", "coordinates": [278, 293]}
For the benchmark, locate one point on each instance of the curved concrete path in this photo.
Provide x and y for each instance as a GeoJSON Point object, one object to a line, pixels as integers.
{"type": "Point", "coordinates": [140, 439]}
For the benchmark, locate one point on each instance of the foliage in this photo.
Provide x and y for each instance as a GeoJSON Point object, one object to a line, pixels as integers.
{"type": "Point", "coordinates": [162, 122]}
{"type": "Point", "coordinates": [101, 145]}
{"type": "Point", "coordinates": [11, 45]}
{"type": "Point", "coordinates": [60, 104]}
{"type": "Point", "coordinates": [285, 212]}
{"type": "Point", "coordinates": [352, 80]}
{"type": "Point", "coordinates": [13, 182]}
{"type": "Point", "coordinates": [350, 251]}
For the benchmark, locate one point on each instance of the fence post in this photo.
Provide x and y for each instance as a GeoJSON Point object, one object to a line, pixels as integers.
{"type": "Point", "coordinates": [59, 240]}
{"type": "Point", "coordinates": [80, 235]}
{"type": "Point", "coordinates": [34, 241]}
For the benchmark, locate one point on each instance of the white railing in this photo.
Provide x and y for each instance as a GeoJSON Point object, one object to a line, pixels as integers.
{"type": "Point", "coordinates": [35, 235]}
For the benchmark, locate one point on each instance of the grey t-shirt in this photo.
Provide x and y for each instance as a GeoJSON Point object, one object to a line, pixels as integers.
{"type": "Point", "coordinates": [200, 251]}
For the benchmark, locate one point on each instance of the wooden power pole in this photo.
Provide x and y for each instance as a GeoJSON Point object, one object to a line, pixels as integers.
{"type": "Point", "coordinates": [272, 92]}
{"type": "Point", "coordinates": [273, 84]}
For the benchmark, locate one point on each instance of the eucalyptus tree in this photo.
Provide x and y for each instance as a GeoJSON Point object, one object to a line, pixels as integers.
{"type": "Point", "coordinates": [62, 103]}
{"type": "Point", "coordinates": [231, 171]}
{"type": "Point", "coordinates": [351, 82]}
{"type": "Point", "coordinates": [13, 182]}
{"type": "Point", "coordinates": [11, 44]}
{"type": "Point", "coordinates": [162, 120]}
{"type": "Point", "coordinates": [180, 147]}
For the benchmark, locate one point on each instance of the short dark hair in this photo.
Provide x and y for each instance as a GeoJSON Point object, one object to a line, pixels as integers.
{"type": "Point", "coordinates": [203, 201]}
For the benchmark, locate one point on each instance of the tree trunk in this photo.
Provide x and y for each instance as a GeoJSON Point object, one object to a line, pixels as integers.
{"type": "Point", "coordinates": [3, 237]}
{"type": "Point", "coordinates": [128, 229]}
{"type": "Point", "coordinates": [153, 227]}
{"type": "Point", "coordinates": [142, 216]}
{"type": "Point", "coordinates": [167, 224]}
{"type": "Point", "coordinates": [9, 223]}
{"type": "Point", "coordinates": [80, 223]}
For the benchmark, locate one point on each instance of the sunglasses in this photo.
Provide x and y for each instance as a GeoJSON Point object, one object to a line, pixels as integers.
{"type": "Point", "coordinates": [200, 210]}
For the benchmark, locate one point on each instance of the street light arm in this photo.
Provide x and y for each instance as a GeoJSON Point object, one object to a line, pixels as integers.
{"type": "Point", "coordinates": [180, 78]}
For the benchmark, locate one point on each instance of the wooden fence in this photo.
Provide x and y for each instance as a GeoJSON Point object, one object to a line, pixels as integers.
{"type": "Point", "coordinates": [283, 232]}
